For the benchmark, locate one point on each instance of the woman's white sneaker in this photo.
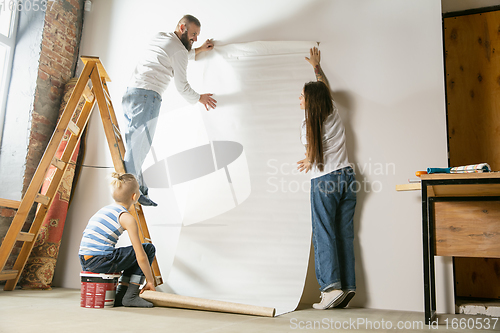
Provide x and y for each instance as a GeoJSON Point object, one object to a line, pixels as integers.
{"type": "Point", "coordinates": [329, 299]}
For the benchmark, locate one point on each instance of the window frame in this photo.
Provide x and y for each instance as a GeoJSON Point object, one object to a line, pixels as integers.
{"type": "Point", "coordinates": [9, 42]}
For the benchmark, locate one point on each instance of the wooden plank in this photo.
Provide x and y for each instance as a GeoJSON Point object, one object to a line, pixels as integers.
{"type": "Point", "coordinates": [73, 128]}
{"type": "Point", "coordinates": [25, 237]}
{"type": "Point", "coordinates": [477, 277]}
{"type": "Point", "coordinates": [43, 199]}
{"type": "Point", "coordinates": [186, 302]}
{"type": "Point", "coordinates": [107, 123]}
{"type": "Point", "coordinates": [430, 191]}
{"type": "Point", "coordinates": [467, 229]}
{"type": "Point", "coordinates": [102, 71]}
{"type": "Point", "coordinates": [114, 121]}
{"type": "Point", "coordinates": [8, 274]}
{"type": "Point", "coordinates": [472, 61]}
{"type": "Point", "coordinates": [145, 237]}
{"type": "Point", "coordinates": [472, 86]}
{"type": "Point", "coordinates": [466, 190]}
{"type": "Point", "coordinates": [88, 94]}
{"type": "Point", "coordinates": [9, 203]}
{"type": "Point", "coordinates": [408, 187]}
{"type": "Point", "coordinates": [58, 163]}
{"type": "Point", "coordinates": [448, 176]}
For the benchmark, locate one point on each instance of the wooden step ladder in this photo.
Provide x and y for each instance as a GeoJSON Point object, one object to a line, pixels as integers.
{"type": "Point", "coordinates": [95, 72]}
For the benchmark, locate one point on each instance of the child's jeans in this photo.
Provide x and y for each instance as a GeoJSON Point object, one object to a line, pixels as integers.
{"type": "Point", "coordinates": [122, 259]}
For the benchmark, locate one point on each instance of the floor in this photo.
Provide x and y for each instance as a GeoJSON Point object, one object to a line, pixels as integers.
{"type": "Point", "coordinates": [59, 310]}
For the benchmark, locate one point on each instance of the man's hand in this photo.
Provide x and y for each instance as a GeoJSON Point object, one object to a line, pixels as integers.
{"type": "Point", "coordinates": [315, 57]}
{"type": "Point", "coordinates": [208, 101]}
{"type": "Point", "coordinates": [148, 286]}
{"type": "Point", "coordinates": [207, 46]}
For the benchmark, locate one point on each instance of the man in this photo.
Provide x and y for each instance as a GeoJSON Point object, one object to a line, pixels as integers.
{"type": "Point", "coordinates": [165, 59]}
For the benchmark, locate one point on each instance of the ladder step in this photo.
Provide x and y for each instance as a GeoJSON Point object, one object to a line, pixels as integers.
{"type": "Point", "coordinates": [44, 200]}
{"type": "Point", "coordinates": [25, 237]}
{"type": "Point", "coordinates": [108, 98]}
{"type": "Point", "coordinates": [159, 280]}
{"type": "Point", "coordinates": [117, 132]}
{"type": "Point", "coordinates": [88, 94]}
{"type": "Point", "coordinates": [58, 163]}
{"type": "Point", "coordinates": [8, 274]}
{"type": "Point", "coordinates": [9, 203]}
{"type": "Point", "coordinates": [73, 128]}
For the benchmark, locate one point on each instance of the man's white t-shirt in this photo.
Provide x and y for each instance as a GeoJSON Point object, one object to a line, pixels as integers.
{"type": "Point", "coordinates": [165, 58]}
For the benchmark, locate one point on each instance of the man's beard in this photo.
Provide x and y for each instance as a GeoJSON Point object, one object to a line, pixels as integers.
{"type": "Point", "coordinates": [185, 41]}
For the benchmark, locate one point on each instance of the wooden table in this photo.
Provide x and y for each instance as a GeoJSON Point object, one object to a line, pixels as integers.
{"type": "Point", "coordinates": [460, 218]}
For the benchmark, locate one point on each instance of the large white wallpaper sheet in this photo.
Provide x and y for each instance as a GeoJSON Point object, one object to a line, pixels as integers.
{"type": "Point", "coordinates": [233, 221]}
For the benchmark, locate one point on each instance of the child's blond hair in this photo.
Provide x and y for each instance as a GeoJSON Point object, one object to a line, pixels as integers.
{"type": "Point", "coordinates": [123, 186]}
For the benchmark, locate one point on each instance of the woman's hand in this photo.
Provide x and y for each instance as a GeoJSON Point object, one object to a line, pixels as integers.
{"type": "Point", "coordinates": [314, 57]}
{"type": "Point", "coordinates": [304, 164]}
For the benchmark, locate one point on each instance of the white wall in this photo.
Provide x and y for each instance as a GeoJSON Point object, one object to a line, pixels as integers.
{"type": "Point", "coordinates": [384, 61]}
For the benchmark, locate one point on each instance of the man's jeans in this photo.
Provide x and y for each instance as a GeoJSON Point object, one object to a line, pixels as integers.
{"type": "Point", "coordinates": [141, 108]}
{"type": "Point", "coordinates": [333, 199]}
{"type": "Point", "coordinates": [122, 259]}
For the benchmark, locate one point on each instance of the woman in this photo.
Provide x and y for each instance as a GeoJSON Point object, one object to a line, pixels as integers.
{"type": "Point", "coordinates": [333, 196]}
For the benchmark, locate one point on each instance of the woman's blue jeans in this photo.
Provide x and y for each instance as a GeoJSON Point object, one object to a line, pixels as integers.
{"type": "Point", "coordinates": [333, 199]}
{"type": "Point", "coordinates": [141, 108]}
{"type": "Point", "coordinates": [122, 259]}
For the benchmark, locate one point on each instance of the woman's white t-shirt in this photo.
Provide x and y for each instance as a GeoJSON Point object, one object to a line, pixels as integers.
{"type": "Point", "coordinates": [334, 147]}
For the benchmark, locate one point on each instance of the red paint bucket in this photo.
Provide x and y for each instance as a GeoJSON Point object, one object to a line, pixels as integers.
{"type": "Point", "coordinates": [98, 289]}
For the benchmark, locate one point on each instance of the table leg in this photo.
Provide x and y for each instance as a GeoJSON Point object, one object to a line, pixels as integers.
{"type": "Point", "coordinates": [432, 266]}
{"type": "Point", "coordinates": [425, 240]}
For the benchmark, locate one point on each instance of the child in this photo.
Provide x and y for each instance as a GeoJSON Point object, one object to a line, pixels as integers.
{"type": "Point", "coordinates": [97, 248]}
{"type": "Point", "coordinates": [333, 197]}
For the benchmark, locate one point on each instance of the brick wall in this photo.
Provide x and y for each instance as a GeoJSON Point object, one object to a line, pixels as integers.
{"type": "Point", "coordinates": [58, 59]}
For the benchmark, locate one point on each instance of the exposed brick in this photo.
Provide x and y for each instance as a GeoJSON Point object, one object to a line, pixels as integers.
{"type": "Point", "coordinates": [54, 93]}
{"type": "Point", "coordinates": [72, 42]}
{"type": "Point", "coordinates": [7, 212]}
{"type": "Point", "coordinates": [38, 136]}
{"type": "Point", "coordinates": [55, 7]}
{"type": "Point", "coordinates": [70, 49]}
{"type": "Point", "coordinates": [42, 75]}
{"type": "Point", "coordinates": [75, 4]}
{"type": "Point", "coordinates": [39, 119]}
{"type": "Point", "coordinates": [51, 54]}
{"type": "Point", "coordinates": [49, 70]}
{"type": "Point", "coordinates": [56, 83]}
{"type": "Point", "coordinates": [58, 25]}
{"type": "Point", "coordinates": [47, 43]}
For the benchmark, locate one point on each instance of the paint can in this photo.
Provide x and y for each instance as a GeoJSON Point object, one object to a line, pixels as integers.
{"type": "Point", "coordinates": [98, 289]}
